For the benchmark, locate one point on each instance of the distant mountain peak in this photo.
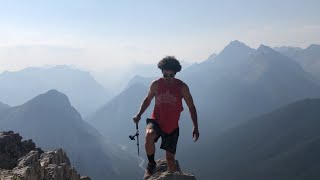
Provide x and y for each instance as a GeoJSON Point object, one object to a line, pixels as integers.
{"type": "Point", "coordinates": [313, 47]}
{"type": "Point", "coordinates": [235, 50]}
{"type": "Point", "coordinates": [51, 98]}
{"type": "Point", "coordinates": [266, 49]}
{"type": "Point", "coordinates": [278, 58]}
{"type": "Point", "coordinates": [288, 50]}
{"type": "Point", "coordinates": [56, 93]}
{"type": "Point", "coordinates": [237, 44]}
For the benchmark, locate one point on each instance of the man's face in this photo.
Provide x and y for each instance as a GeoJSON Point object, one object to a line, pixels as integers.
{"type": "Point", "coordinates": [168, 74]}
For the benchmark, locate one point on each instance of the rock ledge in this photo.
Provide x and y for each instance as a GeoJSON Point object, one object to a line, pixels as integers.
{"type": "Point", "coordinates": [24, 161]}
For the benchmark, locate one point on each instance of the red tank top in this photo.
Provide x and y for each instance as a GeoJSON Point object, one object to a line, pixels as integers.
{"type": "Point", "coordinates": [168, 105]}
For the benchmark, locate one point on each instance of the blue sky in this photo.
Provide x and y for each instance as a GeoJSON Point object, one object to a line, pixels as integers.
{"type": "Point", "coordinates": [99, 34]}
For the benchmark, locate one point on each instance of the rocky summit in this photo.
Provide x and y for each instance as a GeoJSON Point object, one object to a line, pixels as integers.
{"type": "Point", "coordinates": [24, 161]}
{"type": "Point", "coordinates": [163, 174]}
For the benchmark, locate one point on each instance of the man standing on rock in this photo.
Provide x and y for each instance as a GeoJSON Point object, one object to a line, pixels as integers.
{"type": "Point", "coordinates": [168, 92]}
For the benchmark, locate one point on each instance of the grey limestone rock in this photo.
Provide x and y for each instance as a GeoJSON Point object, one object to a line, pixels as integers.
{"type": "Point", "coordinates": [24, 161]}
{"type": "Point", "coordinates": [163, 174]}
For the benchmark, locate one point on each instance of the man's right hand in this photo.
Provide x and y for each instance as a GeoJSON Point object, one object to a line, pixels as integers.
{"type": "Point", "coordinates": [136, 119]}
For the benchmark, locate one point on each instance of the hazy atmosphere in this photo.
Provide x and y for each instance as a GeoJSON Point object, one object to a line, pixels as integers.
{"type": "Point", "coordinates": [75, 75]}
{"type": "Point", "coordinates": [98, 34]}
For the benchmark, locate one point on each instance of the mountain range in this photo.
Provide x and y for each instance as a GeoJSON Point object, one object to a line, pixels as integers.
{"type": "Point", "coordinates": [229, 88]}
{"type": "Point", "coordinates": [84, 92]}
{"type": "Point", "coordinates": [257, 111]}
{"type": "Point", "coordinates": [241, 82]}
{"type": "Point", "coordinates": [238, 84]}
{"type": "Point", "coordinates": [282, 144]}
{"type": "Point", "coordinates": [116, 79]}
{"type": "Point", "coordinates": [114, 120]}
{"type": "Point", "coordinates": [308, 58]}
{"type": "Point", "coordinates": [51, 121]}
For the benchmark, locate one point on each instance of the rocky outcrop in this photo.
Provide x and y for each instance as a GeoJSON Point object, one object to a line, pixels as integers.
{"type": "Point", "coordinates": [163, 174]}
{"type": "Point", "coordinates": [24, 161]}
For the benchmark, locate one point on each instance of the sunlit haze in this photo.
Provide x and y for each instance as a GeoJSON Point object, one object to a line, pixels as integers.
{"type": "Point", "coordinates": [99, 35]}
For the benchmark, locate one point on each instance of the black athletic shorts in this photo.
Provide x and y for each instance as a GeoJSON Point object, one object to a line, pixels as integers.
{"type": "Point", "coordinates": [169, 141]}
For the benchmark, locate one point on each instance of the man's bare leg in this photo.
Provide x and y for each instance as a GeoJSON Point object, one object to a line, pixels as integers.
{"type": "Point", "coordinates": [149, 143]}
{"type": "Point", "coordinates": [170, 161]}
{"type": "Point", "coordinates": [151, 135]}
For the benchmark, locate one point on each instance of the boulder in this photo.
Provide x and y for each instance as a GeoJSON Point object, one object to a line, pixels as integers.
{"type": "Point", "coordinates": [24, 161]}
{"type": "Point", "coordinates": [163, 174]}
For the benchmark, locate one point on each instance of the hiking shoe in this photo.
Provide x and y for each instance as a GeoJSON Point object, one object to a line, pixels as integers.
{"type": "Point", "coordinates": [151, 169]}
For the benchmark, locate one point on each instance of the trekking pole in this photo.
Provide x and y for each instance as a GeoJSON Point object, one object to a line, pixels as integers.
{"type": "Point", "coordinates": [132, 137]}
{"type": "Point", "coordinates": [137, 137]}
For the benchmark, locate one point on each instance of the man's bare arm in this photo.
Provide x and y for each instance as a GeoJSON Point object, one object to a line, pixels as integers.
{"type": "Point", "coordinates": [192, 109]}
{"type": "Point", "coordinates": [146, 102]}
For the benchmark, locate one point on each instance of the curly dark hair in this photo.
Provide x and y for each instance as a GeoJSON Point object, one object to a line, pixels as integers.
{"type": "Point", "coordinates": [169, 63]}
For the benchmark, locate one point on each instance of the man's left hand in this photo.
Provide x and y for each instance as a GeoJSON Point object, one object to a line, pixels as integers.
{"type": "Point", "coordinates": [195, 134]}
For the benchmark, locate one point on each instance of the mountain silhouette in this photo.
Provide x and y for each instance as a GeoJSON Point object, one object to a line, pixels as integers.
{"type": "Point", "coordinates": [51, 121]}
{"type": "Point", "coordinates": [114, 120]}
{"type": "Point", "coordinates": [227, 94]}
{"type": "Point", "coordinates": [246, 82]}
{"type": "Point", "coordinates": [140, 80]}
{"type": "Point", "coordinates": [18, 87]}
{"type": "Point", "coordinates": [234, 52]}
{"type": "Point", "coordinates": [211, 57]}
{"type": "Point", "coordinates": [308, 58]}
{"type": "Point", "coordinates": [238, 84]}
{"type": "Point", "coordinates": [116, 79]}
{"type": "Point", "coordinates": [288, 50]}
{"type": "Point", "coordinates": [282, 144]}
